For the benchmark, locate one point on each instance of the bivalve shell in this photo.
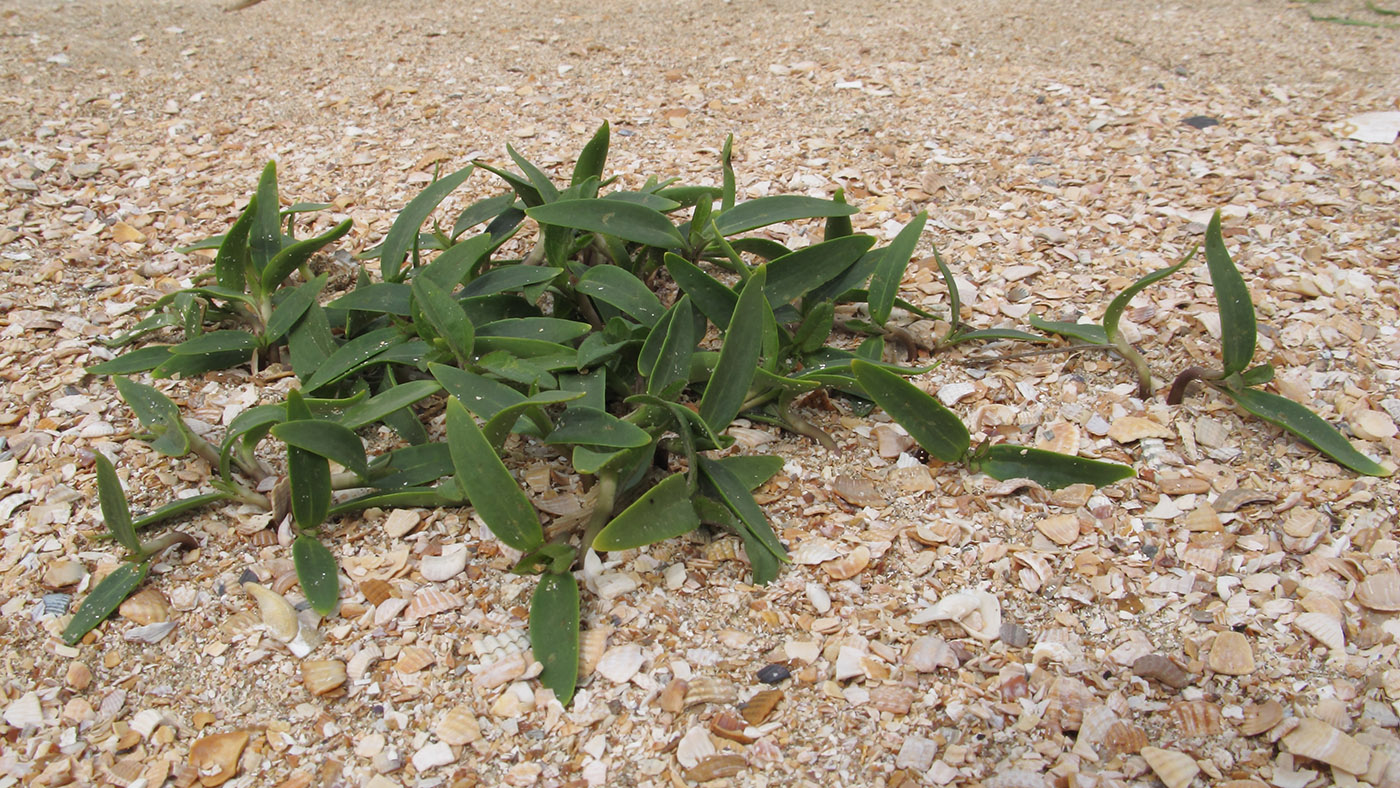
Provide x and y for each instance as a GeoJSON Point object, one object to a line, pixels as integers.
{"type": "Point", "coordinates": [1062, 529]}
{"type": "Point", "coordinates": [1125, 737]}
{"type": "Point", "coordinates": [215, 757]}
{"type": "Point", "coordinates": [151, 633]}
{"type": "Point", "coordinates": [429, 602]}
{"type": "Point", "coordinates": [716, 767]}
{"type": "Point", "coordinates": [1321, 742]}
{"type": "Point", "coordinates": [1162, 669]}
{"type": "Point", "coordinates": [1197, 717]}
{"type": "Point", "coordinates": [849, 565]}
{"type": "Point", "coordinates": [1231, 654]}
{"type": "Point", "coordinates": [728, 726]}
{"type": "Point", "coordinates": [757, 709]}
{"type": "Point", "coordinates": [620, 663]}
{"type": "Point", "coordinates": [322, 675]}
{"type": "Point", "coordinates": [710, 690]}
{"type": "Point", "coordinates": [1380, 591]}
{"type": "Point", "coordinates": [1068, 698]}
{"type": "Point", "coordinates": [147, 606]}
{"type": "Point", "coordinates": [440, 568]}
{"type": "Point", "coordinates": [458, 727]}
{"type": "Point", "coordinates": [893, 698]}
{"type": "Point", "coordinates": [1260, 717]}
{"type": "Point", "coordinates": [413, 659]}
{"type": "Point", "coordinates": [815, 550]}
{"type": "Point", "coordinates": [376, 590]}
{"type": "Point", "coordinates": [1134, 428]}
{"type": "Point", "coordinates": [1098, 720]}
{"type": "Point", "coordinates": [1326, 629]}
{"type": "Point", "coordinates": [24, 712]}
{"type": "Point", "coordinates": [1174, 769]}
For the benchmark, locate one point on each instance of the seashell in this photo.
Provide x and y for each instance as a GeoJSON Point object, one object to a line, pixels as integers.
{"type": "Point", "coordinates": [916, 753]}
{"type": "Point", "coordinates": [1202, 519]}
{"type": "Point", "coordinates": [710, 690]}
{"type": "Point", "coordinates": [1162, 669]}
{"type": "Point", "coordinates": [402, 521]}
{"type": "Point", "coordinates": [1197, 717]}
{"type": "Point", "coordinates": [1014, 635]}
{"type": "Point", "coordinates": [458, 727]}
{"type": "Point", "coordinates": [1380, 591]}
{"type": "Point", "coordinates": [1241, 784]}
{"type": "Point", "coordinates": [184, 598]}
{"type": "Point", "coordinates": [893, 698]}
{"type": "Point", "coordinates": [429, 602]}
{"type": "Point", "coordinates": [858, 492]}
{"type": "Point", "coordinates": [1211, 433]}
{"type": "Point", "coordinates": [413, 659]}
{"type": "Point", "coordinates": [815, 550]}
{"type": "Point", "coordinates": [277, 613]}
{"type": "Point", "coordinates": [951, 393]}
{"type": "Point", "coordinates": [1157, 456]}
{"type": "Point", "coordinates": [285, 580]}
{"type": "Point", "coordinates": [850, 565]}
{"type": "Point", "coordinates": [1326, 629]}
{"type": "Point", "coordinates": [693, 747]}
{"type": "Point", "coordinates": [1333, 712]}
{"type": "Point", "coordinates": [1260, 717]}
{"type": "Point", "coordinates": [940, 531]}
{"type": "Point", "coordinates": [1317, 740]}
{"type": "Point", "coordinates": [1205, 558]}
{"type": "Point", "coordinates": [1093, 729]}
{"type": "Point", "coordinates": [1372, 425]}
{"type": "Point", "coordinates": [716, 767]}
{"type": "Point", "coordinates": [359, 665]}
{"type": "Point", "coordinates": [1062, 437]}
{"type": "Point", "coordinates": [1068, 698]}
{"type": "Point", "coordinates": [591, 644]}
{"type": "Point", "coordinates": [215, 757]}
{"type": "Point", "coordinates": [1062, 529]}
{"type": "Point", "coordinates": [240, 623]}
{"type": "Point", "coordinates": [1011, 680]}
{"type": "Point", "coordinates": [1231, 654]}
{"type": "Point", "coordinates": [978, 612]}
{"type": "Point", "coordinates": [672, 697]}
{"type": "Point", "coordinates": [1129, 429]}
{"type": "Point", "coordinates": [78, 676]}
{"type": "Point", "coordinates": [24, 712]}
{"type": "Point", "coordinates": [62, 573]}
{"type": "Point", "coordinates": [375, 590]}
{"type": "Point", "coordinates": [1016, 778]}
{"type": "Point", "coordinates": [502, 671]}
{"type": "Point", "coordinates": [1234, 500]}
{"type": "Point", "coordinates": [111, 704]}
{"type": "Point", "coordinates": [306, 641]}
{"type": "Point", "coordinates": [440, 568]}
{"type": "Point", "coordinates": [1124, 737]}
{"type": "Point", "coordinates": [620, 663]}
{"type": "Point", "coordinates": [929, 653]}
{"type": "Point", "coordinates": [728, 726]}
{"type": "Point", "coordinates": [147, 606]}
{"type": "Point", "coordinates": [891, 442]}
{"type": "Point", "coordinates": [266, 537]}
{"type": "Point", "coordinates": [322, 675]}
{"type": "Point", "coordinates": [125, 772]}
{"type": "Point", "coordinates": [757, 709]}
{"type": "Point", "coordinates": [727, 549]}
{"type": "Point", "coordinates": [56, 604]}
{"type": "Point", "coordinates": [1174, 769]}
{"type": "Point", "coordinates": [151, 633]}
{"type": "Point", "coordinates": [501, 645]}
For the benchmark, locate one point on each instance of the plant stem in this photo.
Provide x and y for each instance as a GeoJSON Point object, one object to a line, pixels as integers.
{"type": "Point", "coordinates": [1050, 351]}
{"type": "Point", "coordinates": [1130, 355]}
{"type": "Point", "coordinates": [1186, 378]}
{"type": "Point", "coordinates": [603, 503]}
{"type": "Point", "coordinates": [795, 423]}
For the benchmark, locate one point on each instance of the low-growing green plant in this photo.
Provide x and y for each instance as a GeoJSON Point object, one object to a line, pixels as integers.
{"type": "Point", "coordinates": [1241, 383]}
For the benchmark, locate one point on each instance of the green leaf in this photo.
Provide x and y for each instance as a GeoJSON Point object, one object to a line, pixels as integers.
{"type": "Point", "coordinates": [628, 221]}
{"type": "Point", "coordinates": [510, 278]}
{"type": "Point", "coordinates": [500, 425]}
{"type": "Point", "coordinates": [954, 297]}
{"type": "Point", "coordinates": [497, 497]}
{"type": "Point", "coordinates": [405, 228]}
{"type": "Point", "coordinates": [178, 507]}
{"type": "Point", "coordinates": [146, 326]}
{"type": "Point", "coordinates": [291, 308]}
{"type": "Point", "coordinates": [596, 428]}
{"type": "Point", "coordinates": [671, 362]}
{"type": "Point", "coordinates": [1084, 332]}
{"type": "Point", "coordinates": [1307, 425]}
{"type": "Point", "coordinates": [351, 356]}
{"type": "Point", "coordinates": [1237, 330]}
{"type": "Point", "coordinates": [735, 494]}
{"type": "Point", "coordinates": [309, 474]}
{"type": "Point", "coordinates": [115, 513]}
{"type": "Point", "coordinates": [104, 598]}
{"type": "Point", "coordinates": [884, 284]}
{"type": "Point", "coordinates": [1119, 303]}
{"type": "Point", "coordinates": [838, 226]}
{"type": "Point", "coordinates": [543, 185]}
{"type": "Point", "coordinates": [938, 430]}
{"type": "Point", "coordinates": [738, 358]}
{"type": "Point", "coordinates": [780, 208]}
{"type": "Point", "coordinates": [798, 273]}
{"type": "Point", "coordinates": [711, 297]}
{"type": "Point", "coordinates": [764, 564]}
{"type": "Point", "coordinates": [265, 233]}
{"type": "Point", "coordinates": [455, 265]}
{"type": "Point", "coordinates": [395, 399]}
{"type": "Point", "coordinates": [326, 439]}
{"type": "Point", "coordinates": [523, 188]}
{"type": "Point", "coordinates": [540, 329]}
{"type": "Point", "coordinates": [393, 298]}
{"type": "Point", "coordinates": [751, 470]}
{"type": "Point", "coordinates": [227, 341]}
{"type": "Point", "coordinates": [430, 497]}
{"type": "Point", "coordinates": [726, 155]}
{"type": "Point", "coordinates": [310, 342]}
{"type": "Point", "coordinates": [1047, 468]}
{"type": "Point", "coordinates": [142, 360]}
{"type": "Point", "coordinates": [661, 513]}
{"type": "Point", "coordinates": [590, 165]}
{"type": "Point", "coordinates": [157, 414]}
{"type": "Point", "coordinates": [816, 327]}
{"type": "Point", "coordinates": [231, 261]}
{"type": "Point", "coordinates": [990, 334]}
{"type": "Point", "coordinates": [481, 211]}
{"type": "Point", "coordinates": [1258, 376]}
{"type": "Point", "coordinates": [554, 622]}
{"type": "Point", "coordinates": [446, 316]}
{"type": "Point", "coordinates": [317, 573]}
{"type": "Point", "coordinates": [295, 256]}
{"type": "Point", "coordinates": [617, 287]}
{"type": "Point", "coordinates": [652, 201]}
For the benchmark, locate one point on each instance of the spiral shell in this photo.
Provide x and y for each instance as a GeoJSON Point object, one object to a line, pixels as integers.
{"type": "Point", "coordinates": [147, 606]}
{"type": "Point", "coordinates": [1124, 737]}
{"type": "Point", "coordinates": [591, 645]}
{"type": "Point", "coordinates": [322, 675]}
{"type": "Point", "coordinates": [1068, 700]}
{"type": "Point", "coordinates": [729, 726]}
{"type": "Point", "coordinates": [723, 550]}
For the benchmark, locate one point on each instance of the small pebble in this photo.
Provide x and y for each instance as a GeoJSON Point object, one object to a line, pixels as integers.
{"type": "Point", "coordinates": [773, 674]}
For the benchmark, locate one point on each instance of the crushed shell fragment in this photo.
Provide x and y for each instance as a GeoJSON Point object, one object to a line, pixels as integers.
{"type": "Point", "coordinates": [215, 757]}
{"type": "Point", "coordinates": [322, 675]}
{"type": "Point", "coordinates": [1380, 592]}
{"type": "Point", "coordinates": [1321, 742]}
{"type": "Point", "coordinates": [1174, 769]}
{"type": "Point", "coordinates": [1231, 654]}
{"type": "Point", "coordinates": [1260, 717]}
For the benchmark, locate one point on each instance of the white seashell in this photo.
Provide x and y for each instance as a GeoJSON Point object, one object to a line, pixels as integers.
{"type": "Point", "coordinates": [1211, 433]}
{"type": "Point", "coordinates": [1321, 742]}
{"type": "Point", "coordinates": [431, 756]}
{"type": "Point", "coordinates": [278, 615]}
{"type": "Point", "coordinates": [850, 662]}
{"type": "Point", "coordinates": [151, 633]}
{"type": "Point", "coordinates": [1380, 591]}
{"type": "Point", "coordinates": [24, 712]}
{"type": "Point", "coordinates": [815, 550]}
{"type": "Point", "coordinates": [306, 641]}
{"type": "Point", "coordinates": [818, 596]}
{"type": "Point", "coordinates": [1129, 429]}
{"type": "Point", "coordinates": [359, 665]}
{"type": "Point", "coordinates": [502, 671]}
{"type": "Point", "coordinates": [620, 663]}
{"type": "Point", "coordinates": [430, 601]}
{"type": "Point", "coordinates": [848, 566]}
{"type": "Point", "coordinates": [1062, 529]}
{"type": "Point", "coordinates": [1326, 629]}
{"type": "Point", "coordinates": [1062, 437]}
{"type": "Point", "coordinates": [458, 727]}
{"type": "Point", "coordinates": [147, 606]}
{"type": "Point", "coordinates": [388, 610]}
{"type": "Point", "coordinates": [694, 747]}
{"type": "Point", "coordinates": [439, 568]}
{"type": "Point", "coordinates": [916, 753]}
{"type": "Point", "coordinates": [111, 704]}
{"type": "Point", "coordinates": [401, 521]}
{"type": "Point", "coordinates": [1093, 729]}
{"type": "Point", "coordinates": [978, 612]}
{"type": "Point", "coordinates": [614, 584]}
{"type": "Point", "coordinates": [929, 653]}
{"type": "Point", "coordinates": [1174, 769]}
{"type": "Point", "coordinates": [1372, 425]}
{"type": "Point", "coordinates": [950, 393]}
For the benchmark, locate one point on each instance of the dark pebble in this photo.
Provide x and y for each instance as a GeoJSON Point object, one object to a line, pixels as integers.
{"type": "Point", "coordinates": [773, 674]}
{"type": "Point", "coordinates": [1201, 121]}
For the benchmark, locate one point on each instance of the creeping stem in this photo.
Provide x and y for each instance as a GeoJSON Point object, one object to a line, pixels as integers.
{"type": "Point", "coordinates": [1186, 378]}
{"type": "Point", "coordinates": [603, 503]}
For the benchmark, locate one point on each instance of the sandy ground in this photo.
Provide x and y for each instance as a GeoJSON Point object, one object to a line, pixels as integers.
{"type": "Point", "coordinates": [1045, 140]}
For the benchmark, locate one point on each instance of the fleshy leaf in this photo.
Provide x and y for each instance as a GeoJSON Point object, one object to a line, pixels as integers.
{"type": "Point", "coordinates": [938, 430]}
{"type": "Point", "coordinates": [626, 220]}
{"type": "Point", "coordinates": [596, 428]}
{"type": "Point", "coordinates": [178, 507]}
{"type": "Point", "coordinates": [405, 228]}
{"type": "Point", "coordinates": [446, 316]}
{"type": "Point", "coordinates": [661, 513]}
{"type": "Point", "coordinates": [496, 495]}
{"type": "Point", "coordinates": [290, 309]}
{"type": "Point", "coordinates": [317, 573]}
{"type": "Point", "coordinates": [104, 598]}
{"type": "Point", "coordinates": [617, 287]}
{"type": "Point", "coordinates": [157, 414]}
{"type": "Point", "coordinates": [226, 341]}
{"type": "Point", "coordinates": [1307, 425]}
{"type": "Point", "coordinates": [140, 360]}
{"type": "Point", "coordinates": [231, 261]}
{"type": "Point", "coordinates": [115, 513]}
{"type": "Point", "coordinates": [294, 256]}
{"type": "Point", "coordinates": [326, 439]}
{"type": "Point", "coordinates": [779, 208]}
{"type": "Point", "coordinates": [1084, 332]}
{"type": "Point", "coordinates": [380, 405]}
{"type": "Point", "coordinates": [884, 284]}
{"type": "Point", "coordinates": [711, 297]}
{"type": "Point", "coordinates": [738, 358]}
{"type": "Point", "coordinates": [1237, 329]}
{"type": "Point", "coordinates": [735, 495]}
{"type": "Point", "coordinates": [797, 273]}
{"type": "Point", "coordinates": [1119, 303]}
{"type": "Point", "coordinates": [554, 622]}
{"type": "Point", "coordinates": [350, 356]}
{"type": "Point", "coordinates": [1049, 469]}
{"type": "Point", "coordinates": [309, 474]}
